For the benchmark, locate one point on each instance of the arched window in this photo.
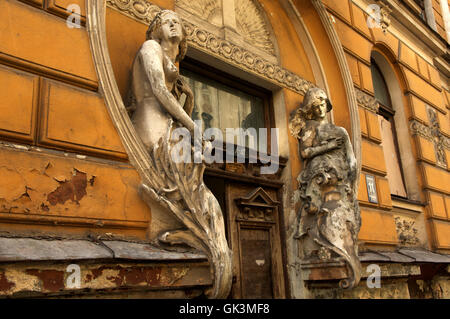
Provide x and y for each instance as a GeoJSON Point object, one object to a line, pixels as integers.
{"type": "Point", "coordinates": [390, 145]}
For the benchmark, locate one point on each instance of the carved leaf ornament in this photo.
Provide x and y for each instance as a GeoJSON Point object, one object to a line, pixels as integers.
{"type": "Point", "coordinates": [161, 177]}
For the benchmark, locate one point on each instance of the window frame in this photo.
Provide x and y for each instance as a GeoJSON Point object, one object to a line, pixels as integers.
{"type": "Point", "coordinates": [231, 81]}
{"type": "Point", "coordinates": [388, 113]}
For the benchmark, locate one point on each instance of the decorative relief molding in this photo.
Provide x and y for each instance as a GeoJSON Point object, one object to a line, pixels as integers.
{"type": "Point", "coordinates": [438, 138]}
{"type": "Point", "coordinates": [252, 26]}
{"type": "Point", "coordinates": [420, 129]}
{"type": "Point", "coordinates": [432, 134]}
{"type": "Point", "coordinates": [140, 10]}
{"type": "Point", "coordinates": [385, 11]}
{"type": "Point", "coordinates": [242, 58]}
{"type": "Point", "coordinates": [424, 131]}
{"type": "Point", "coordinates": [366, 101]}
{"type": "Point", "coordinates": [227, 51]}
{"type": "Point", "coordinates": [406, 232]}
{"type": "Point", "coordinates": [205, 9]}
{"type": "Point", "coordinates": [257, 206]}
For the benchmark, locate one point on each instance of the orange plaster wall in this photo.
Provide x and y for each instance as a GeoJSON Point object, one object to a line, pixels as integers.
{"type": "Point", "coordinates": [293, 56]}
{"type": "Point", "coordinates": [50, 189]}
{"type": "Point", "coordinates": [329, 62]}
{"type": "Point", "coordinates": [50, 101]}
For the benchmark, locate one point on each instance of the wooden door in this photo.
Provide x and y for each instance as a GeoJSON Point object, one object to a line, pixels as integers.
{"type": "Point", "coordinates": [254, 236]}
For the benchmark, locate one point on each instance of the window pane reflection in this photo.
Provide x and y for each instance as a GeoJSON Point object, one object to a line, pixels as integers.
{"type": "Point", "coordinates": [220, 106]}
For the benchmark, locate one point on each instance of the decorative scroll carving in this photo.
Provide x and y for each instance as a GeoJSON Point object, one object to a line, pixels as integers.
{"type": "Point", "coordinates": [420, 129]}
{"type": "Point", "coordinates": [366, 101]}
{"type": "Point", "coordinates": [223, 49]}
{"type": "Point", "coordinates": [252, 26]}
{"type": "Point", "coordinates": [257, 206]}
{"type": "Point", "coordinates": [329, 217]}
{"type": "Point", "coordinates": [407, 233]}
{"type": "Point", "coordinates": [179, 188]}
{"type": "Point", "coordinates": [205, 9]}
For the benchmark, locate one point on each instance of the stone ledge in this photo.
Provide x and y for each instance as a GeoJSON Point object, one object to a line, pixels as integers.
{"type": "Point", "coordinates": [30, 249]}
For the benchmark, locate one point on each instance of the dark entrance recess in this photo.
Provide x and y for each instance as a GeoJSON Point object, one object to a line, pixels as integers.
{"type": "Point", "coordinates": [252, 222]}
{"type": "Point", "coordinates": [250, 201]}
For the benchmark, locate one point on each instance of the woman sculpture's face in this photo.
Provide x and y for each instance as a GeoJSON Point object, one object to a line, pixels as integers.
{"type": "Point", "coordinates": [171, 27]}
{"type": "Point", "coordinates": [320, 106]}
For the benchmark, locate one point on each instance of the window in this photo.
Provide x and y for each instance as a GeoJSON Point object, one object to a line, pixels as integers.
{"type": "Point", "coordinates": [222, 102]}
{"type": "Point", "coordinates": [388, 133]}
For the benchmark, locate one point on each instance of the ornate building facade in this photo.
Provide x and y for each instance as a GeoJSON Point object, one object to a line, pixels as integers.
{"type": "Point", "coordinates": [88, 209]}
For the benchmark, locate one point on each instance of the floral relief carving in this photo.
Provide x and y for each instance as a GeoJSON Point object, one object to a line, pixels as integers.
{"type": "Point", "coordinates": [366, 101]}
{"type": "Point", "coordinates": [437, 138]}
{"type": "Point", "coordinates": [432, 134]}
{"type": "Point", "coordinates": [407, 233]}
{"type": "Point", "coordinates": [225, 50]}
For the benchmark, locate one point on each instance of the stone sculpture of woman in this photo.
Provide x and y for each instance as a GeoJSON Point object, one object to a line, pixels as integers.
{"type": "Point", "coordinates": [155, 109]}
{"type": "Point", "coordinates": [329, 217]}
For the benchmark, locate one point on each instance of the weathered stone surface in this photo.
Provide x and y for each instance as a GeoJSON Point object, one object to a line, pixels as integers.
{"type": "Point", "coordinates": [425, 256]}
{"type": "Point", "coordinates": [373, 256]}
{"type": "Point", "coordinates": [173, 185]}
{"type": "Point", "coordinates": [392, 270]}
{"type": "Point", "coordinates": [56, 279]}
{"type": "Point", "coordinates": [396, 257]}
{"type": "Point", "coordinates": [390, 289]}
{"type": "Point", "coordinates": [329, 218]}
{"type": "Point", "coordinates": [27, 249]}
{"type": "Point", "coordinates": [126, 250]}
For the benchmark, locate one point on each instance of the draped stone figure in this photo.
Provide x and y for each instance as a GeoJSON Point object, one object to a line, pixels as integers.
{"type": "Point", "coordinates": [155, 110]}
{"type": "Point", "coordinates": [329, 217]}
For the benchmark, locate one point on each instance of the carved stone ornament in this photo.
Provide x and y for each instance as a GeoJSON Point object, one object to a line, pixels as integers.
{"type": "Point", "coordinates": [248, 20]}
{"type": "Point", "coordinates": [432, 134]}
{"type": "Point", "coordinates": [329, 217]}
{"type": "Point", "coordinates": [210, 10]}
{"type": "Point", "coordinates": [156, 86]}
{"type": "Point", "coordinates": [257, 206]}
{"type": "Point", "coordinates": [366, 101]}
{"type": "Point", "coordinates": [407, 233]}
{"type": "Point", "coordinates": [385, 11]}
{"type": "Point", "coordinates": [437, 138]}
{"type": "Point", "coordinates": [222, 49]}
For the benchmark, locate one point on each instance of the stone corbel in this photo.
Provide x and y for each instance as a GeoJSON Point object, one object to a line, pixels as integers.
{"type": "Point", "coordinates": [384, 17]}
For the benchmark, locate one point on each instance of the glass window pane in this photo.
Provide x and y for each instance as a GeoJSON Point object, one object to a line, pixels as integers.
{"type": "Point", "coordinates": [222, 107]}
{"type": "Point", "coordinates": [379, 86]}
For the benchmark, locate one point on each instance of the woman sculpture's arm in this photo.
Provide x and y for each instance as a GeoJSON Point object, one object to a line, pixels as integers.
{"type": "Point", "coordinates": [151, 56]}
{"type": "Point", "coordinates": [311, 151]}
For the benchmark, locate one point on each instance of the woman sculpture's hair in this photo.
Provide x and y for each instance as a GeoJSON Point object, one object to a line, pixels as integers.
{"type": "Point", "coordinates": [310, 100]}
{"type": "Point", "coordinates": [305, 111]}
{"type": "Point", "coordinates": [153, 32]}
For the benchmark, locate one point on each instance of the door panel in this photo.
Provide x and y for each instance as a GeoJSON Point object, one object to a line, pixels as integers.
{"type": "Point", "coordinates": [256, 262]}
{"type": "Point", "coordinates": [254, 237]}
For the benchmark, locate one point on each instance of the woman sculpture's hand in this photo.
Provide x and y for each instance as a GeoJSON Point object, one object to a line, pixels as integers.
{"type": "Point", "coordinates": [335, 143]}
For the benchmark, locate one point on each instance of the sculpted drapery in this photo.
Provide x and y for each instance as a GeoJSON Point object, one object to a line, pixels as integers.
{"type": "Point", "coordinates": [155, 110]}
{"type": "Point", "coordinates": [329, 217]}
